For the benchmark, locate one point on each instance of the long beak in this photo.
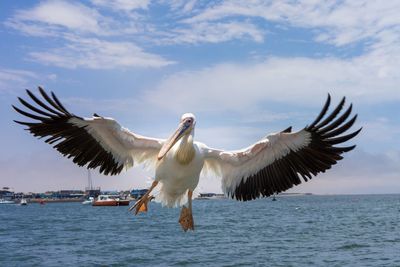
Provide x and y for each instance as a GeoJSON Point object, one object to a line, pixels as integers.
{"type": "Point", "coordinates": [172, 140]}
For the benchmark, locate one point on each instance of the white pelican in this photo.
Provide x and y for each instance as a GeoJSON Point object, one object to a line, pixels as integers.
{"type": "Point", "coordinates": [270, 166]}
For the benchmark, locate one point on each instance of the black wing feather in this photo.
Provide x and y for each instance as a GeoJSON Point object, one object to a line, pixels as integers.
{"type": "Point", "coordinates": [320, 155]}
{"type": "Point", "coordinates": [322, 113]}
{"type": "Point", "coordinates": [70, 140]}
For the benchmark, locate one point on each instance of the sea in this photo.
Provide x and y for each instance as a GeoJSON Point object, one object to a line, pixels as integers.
{"type": "Point", "coordinates": [310, 230]}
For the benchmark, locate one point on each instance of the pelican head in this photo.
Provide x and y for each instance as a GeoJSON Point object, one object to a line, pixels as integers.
{"type": "Point", "coordinates": [186, 126]}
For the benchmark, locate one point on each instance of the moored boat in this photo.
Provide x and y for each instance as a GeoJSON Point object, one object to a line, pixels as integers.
{"type": "Point", "coordinates": [88, 201]}
{"type": "Point", "coordinates": [207, 196]}
{"type": "Point", "coordinates": [110, 200]}
{"type": "Point", "coordinates": [23, 202]}
{"type": "Point", "coordinates": [4, 201]}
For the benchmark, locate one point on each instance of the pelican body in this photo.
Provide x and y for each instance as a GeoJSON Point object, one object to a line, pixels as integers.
{"type": "Point", "coordinates": [179, 165]}
{"type": "Point", "coordinates": [272, 165]}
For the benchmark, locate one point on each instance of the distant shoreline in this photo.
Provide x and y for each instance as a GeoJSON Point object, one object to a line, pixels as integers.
{"type": "Point", "coordinates": [44, 200]}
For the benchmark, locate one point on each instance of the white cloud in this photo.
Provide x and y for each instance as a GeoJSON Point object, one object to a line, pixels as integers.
{"type": "Point", "coordinates": [215, 33]}
{"type": "Point", "coordinates": [371, 78]}
{"type": "Point", "coordinates": [60, 18]}
{"type": "Point", "coordinates": [340, 23]}
{"type": "Point", "coordinates": [189, 5]}
{"type": "Point", "coordinates": [31, 29]}
{"type": "Point", "coordinates": [122, 5]}
{"type": "Point", "coordinates": [229, 137]}
{"type": "Point", "coordinates": [185, 6]}
{"type": "Point", "coordinates": [12, 78]}
{"type": "Point", "coordinates": [98, 54]}
{"type": "Point", "coordinates": [49, 15]}
{"type": "Point", "coordinates": [75, 24]}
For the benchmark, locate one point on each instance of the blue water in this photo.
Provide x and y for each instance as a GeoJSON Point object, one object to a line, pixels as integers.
{"type": "Point", "coordinates": [293, 231]}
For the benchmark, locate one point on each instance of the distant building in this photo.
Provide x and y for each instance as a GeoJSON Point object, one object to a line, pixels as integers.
{"type": "Point", "coordinates": [68, 194]}
{"type": "Point", "coordinates": [92, 192]}
{"type": "Point", "coordinates": [19, 195]}
{"type": "Point", "coordinates": [138, 193]}
{"type": "Point", "coordinates": [207, 195]}
{"type": "Point", "coordinates": [62, 194]}
{"type": "Point", "coordinates": [6, 193]}
{"type": "Point", "coordinates": [211, 196]}
{"type": "Point", "coordinates": [114, 193]}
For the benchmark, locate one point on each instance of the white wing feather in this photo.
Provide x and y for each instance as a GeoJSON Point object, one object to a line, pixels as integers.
{"type": "Point", "coordinates": [126, 147]}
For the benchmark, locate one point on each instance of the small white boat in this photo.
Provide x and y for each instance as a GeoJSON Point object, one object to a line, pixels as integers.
{"type": "Point", "coordinates": [23, 202]}
{"type": "Point", "coordinates": [3, 201]}
{"type": "Point", "coordinates": [88, 201]}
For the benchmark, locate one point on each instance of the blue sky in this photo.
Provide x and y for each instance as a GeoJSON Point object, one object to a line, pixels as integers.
{"type": "Point", "coordinates": [245, 68]}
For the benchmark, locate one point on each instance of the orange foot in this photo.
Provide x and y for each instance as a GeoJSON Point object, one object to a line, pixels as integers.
{"type": "Point", "coordinates": [186, 219]}
{"type": "Point", "coordinates": [141, 204]}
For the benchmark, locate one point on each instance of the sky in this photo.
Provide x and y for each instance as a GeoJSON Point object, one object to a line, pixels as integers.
{"type": "Point", "coordinates": [244, 68]}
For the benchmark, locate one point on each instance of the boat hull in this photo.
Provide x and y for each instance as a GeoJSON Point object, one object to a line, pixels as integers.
{"type": "Point", "coordinates": [6, 202]}
{"type": "Point", "coordinates": [111, 203]}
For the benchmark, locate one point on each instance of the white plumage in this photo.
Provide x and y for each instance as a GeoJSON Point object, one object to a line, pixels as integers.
{"type": "Point", "coordinates": [176, 179]}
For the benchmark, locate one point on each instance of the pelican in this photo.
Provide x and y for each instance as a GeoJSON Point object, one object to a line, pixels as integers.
{"type": "Point", "coordinates": [272, 165]}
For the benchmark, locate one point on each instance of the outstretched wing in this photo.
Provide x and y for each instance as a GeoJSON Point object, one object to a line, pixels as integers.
{"type": "Point", "coordinates": [97, 141]}
{"type": "Point", "coordinates": [276, 163]}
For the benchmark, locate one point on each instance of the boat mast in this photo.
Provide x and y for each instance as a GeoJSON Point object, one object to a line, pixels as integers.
{"type": "Point", "coordinates": [90, 182]}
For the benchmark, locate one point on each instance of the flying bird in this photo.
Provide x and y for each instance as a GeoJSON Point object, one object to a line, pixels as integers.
{"type": "Point", "coordinates": [272, 165]}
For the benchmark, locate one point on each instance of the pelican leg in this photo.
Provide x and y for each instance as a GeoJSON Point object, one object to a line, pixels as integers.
{"type": "Point", "coordinates": [141, 204]}
{"type": "Point", "coordinates": [186, 217]}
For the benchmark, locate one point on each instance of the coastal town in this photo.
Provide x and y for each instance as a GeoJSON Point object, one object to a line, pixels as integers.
{"type": "Point", "coordinates": [8, 196]}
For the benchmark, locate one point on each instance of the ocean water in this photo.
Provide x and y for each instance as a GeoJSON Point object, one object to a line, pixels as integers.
{"type": "Point", "coordinates": [357, 230]}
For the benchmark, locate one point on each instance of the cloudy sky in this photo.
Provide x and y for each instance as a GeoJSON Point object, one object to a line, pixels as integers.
{"type": "Point", "coordinates": [245, 68]}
